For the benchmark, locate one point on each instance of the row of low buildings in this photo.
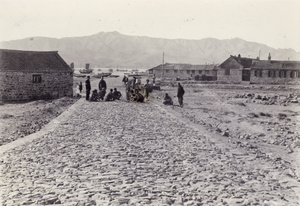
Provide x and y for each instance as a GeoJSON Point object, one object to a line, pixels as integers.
{"type": "Point", "coordinates": [26, 75]}
{"type": "Point", "coordinates": [235, 69]}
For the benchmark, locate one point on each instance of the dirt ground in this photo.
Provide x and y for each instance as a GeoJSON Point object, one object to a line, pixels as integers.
{"type": "Point", "coordinates": [18, 120]}
{"type": "Point", "coordinates": [260, 119]}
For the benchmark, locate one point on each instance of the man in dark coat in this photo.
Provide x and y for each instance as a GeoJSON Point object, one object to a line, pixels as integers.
{"type": "Point", "coordinates": [180, 93]}
{"type": "Point", "coordinates": [147, 87]}
{"type": "Point", "coordinates": [102, 88]}
{"type": "Point", "coordinates": [88, 88]}
{"type": "Point", "coordinates": [102, 84]}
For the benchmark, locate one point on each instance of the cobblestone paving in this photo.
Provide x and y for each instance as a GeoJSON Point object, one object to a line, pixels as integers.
{"type": "Point", "coordinates": [117, 153]}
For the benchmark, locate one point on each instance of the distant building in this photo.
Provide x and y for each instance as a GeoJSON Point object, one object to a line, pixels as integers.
{"type": "Point", "coordinates": [28, 75]}
{"type": "Point", "coordinates": [237, 69]}
{"type": "Point", "coordinates": [275, 72]}
{"type": "Point", "coordinates": [185, 71]}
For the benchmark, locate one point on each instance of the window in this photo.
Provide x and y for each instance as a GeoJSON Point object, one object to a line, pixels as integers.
{"type": "Point", "coordinates": [206, 71]}
{"type": "Point", "coordinates": [167, 71]}
{"type": "Point", "coordinates": [293, 74]}
{"type": "Point", "coordinates": [227, 71]}
{"type": "Point", "coordinates": [36, 78]}
{"type": "Point", "coordinates": [200, 72]}
{"type": "Point", "coordinates": [271, 73]}
{"type": "Point", "coordinates": [258, 73]}
{"type": "Point", "coordinates": [193, 71]}
{"type": "Point", "coordinates": [188, 71]}
{"type": "Point", "coordinates": [282, 74]}
{"type": "Point", "coordinates": [175, 71]}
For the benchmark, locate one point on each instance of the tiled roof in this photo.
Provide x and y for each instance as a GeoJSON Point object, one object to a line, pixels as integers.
{"type": "Point", "coordinates": [245, 62]}
{"type": "Point", "coordinates": [265, 64]}
{"type": "Point", "coordinates": [32, 61]}
{"type": "Point", "coordinates": [185, 67]}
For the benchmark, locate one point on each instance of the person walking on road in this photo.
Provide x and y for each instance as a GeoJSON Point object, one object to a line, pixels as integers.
{"type": "Point", "coordinates": [88, 88]}
{"type": "Point", "coordinates": [180, 93]}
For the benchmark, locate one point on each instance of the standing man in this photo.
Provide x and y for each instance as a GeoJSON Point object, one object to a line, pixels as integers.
{"type": "Point", "coordinates": [180, 93]}
{"type": "Point", "coordinates": [147, 87]}
{"type": "Point", "coordinates": [80, 87]}
{"type": "Point", "coordinates": [102, 88]}
{"type": "Point", "coordinates": [134, 82]}
{"type": "Point", "coordinates": [154, 79]}
{"type": "Point", "coordinates": [127, 89]}
{"type": "Point", "coordinates": [88, 88]}
{"type": "Point", "coordinates": [102, 84]}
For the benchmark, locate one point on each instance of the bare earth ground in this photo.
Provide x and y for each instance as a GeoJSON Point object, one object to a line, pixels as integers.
{"type": "Point", "coordinates": [228, 145]}
{"type": "Point", "coordinates": [18, 120]}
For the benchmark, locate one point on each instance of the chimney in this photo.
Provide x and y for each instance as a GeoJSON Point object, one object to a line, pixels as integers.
{"type": "Point", "coordinates": [87, 66]}
{"type": "Point", "coordinates": [269, 57]}
{"type": "Point", "coordinates": [239, 58]}
{"type": "Point", "coordinates": [72, 65]}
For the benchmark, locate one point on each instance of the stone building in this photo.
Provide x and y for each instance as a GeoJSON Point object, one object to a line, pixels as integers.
{"type": "Point", "coordinates": [185, 71]}
{"type": "Point", "coordinates": [235, 69]}
{"type": "Point", "coordinates": [29, 75]}
{"type": "Point", "coordinates": [275, 72]}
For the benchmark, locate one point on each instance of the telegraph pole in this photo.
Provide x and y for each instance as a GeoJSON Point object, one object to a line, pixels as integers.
{"type": "Point", "coordinates": [163, 62]}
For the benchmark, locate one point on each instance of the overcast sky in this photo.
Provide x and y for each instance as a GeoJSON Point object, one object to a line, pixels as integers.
{"type": "Point", "coordinates": [275, 23]}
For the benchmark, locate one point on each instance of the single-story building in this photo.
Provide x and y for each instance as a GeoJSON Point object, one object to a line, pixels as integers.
{"type": "Point", "coordinates": [185, 71]}
{"type": "Point", "coordinates": [275, 72]}
{"type": "Point", "coordinates": [235, 69]}
{"type": "Point", "coordinates": [29, 75]}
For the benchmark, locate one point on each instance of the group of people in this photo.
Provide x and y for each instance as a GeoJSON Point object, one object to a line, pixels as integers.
{"type": "Point", "coordinates": [180, 92]}
{"type": "Point", "coordinates": [134, 91]}
{"type": "Point", "coordinates": [113, 95]}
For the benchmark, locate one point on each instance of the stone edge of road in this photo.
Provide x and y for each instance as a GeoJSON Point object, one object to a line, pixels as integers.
{"type": "Point", "coordinates": [52, 125]}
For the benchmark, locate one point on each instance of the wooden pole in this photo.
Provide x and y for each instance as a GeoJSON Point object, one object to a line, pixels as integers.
{"type": "Point", "coordinates": [163, 62]}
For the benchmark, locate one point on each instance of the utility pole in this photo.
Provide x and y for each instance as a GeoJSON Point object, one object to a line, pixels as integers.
{"type": "Point", "coordinates": [163, 62]}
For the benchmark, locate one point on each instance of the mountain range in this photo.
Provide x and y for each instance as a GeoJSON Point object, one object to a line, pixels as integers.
{"type": "Point", "coordinates": [112, 49]}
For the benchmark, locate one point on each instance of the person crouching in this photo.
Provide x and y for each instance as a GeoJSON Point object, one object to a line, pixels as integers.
{"type": "Point", "coordinates": [167, 100]}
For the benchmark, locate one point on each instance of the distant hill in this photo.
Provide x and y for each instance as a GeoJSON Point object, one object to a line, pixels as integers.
{"type": "Point", "coordinates": [112, 49]}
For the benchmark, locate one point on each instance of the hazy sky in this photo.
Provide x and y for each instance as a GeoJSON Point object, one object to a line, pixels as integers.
{"type": "Point", "coordinates": [275, 23]}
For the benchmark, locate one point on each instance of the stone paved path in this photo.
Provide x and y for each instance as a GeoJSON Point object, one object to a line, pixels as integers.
{"type": "Point", "coordinates": [118, 153]}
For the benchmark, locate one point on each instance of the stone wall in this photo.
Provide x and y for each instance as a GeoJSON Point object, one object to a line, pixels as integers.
{"type": "Point", "coordinates": [235, 75]}
{"type": "Point", "coordinates": [20, 86]}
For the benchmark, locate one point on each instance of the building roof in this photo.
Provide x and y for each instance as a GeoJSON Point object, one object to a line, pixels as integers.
{"type": "Point", "coordinates": [238, 60]}
{"type": "Point", "coordinates": [245, 62]}
{"type": "Point", "coordinates": [184, 67]}
{"type": "Point", "coordinates": [265, 64]}
{"type": "Point", "coordinates": [32, 61]}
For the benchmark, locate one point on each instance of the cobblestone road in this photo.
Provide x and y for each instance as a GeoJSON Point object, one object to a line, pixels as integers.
{"type": "Point", "coordinates": [118, 153]}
